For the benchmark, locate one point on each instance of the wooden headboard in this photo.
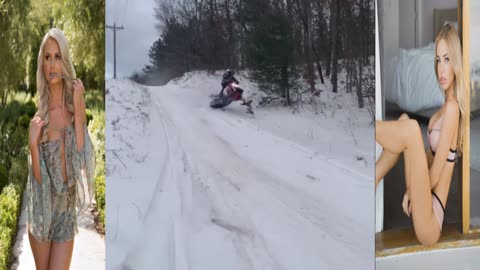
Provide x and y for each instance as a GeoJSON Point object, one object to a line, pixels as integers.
{"type": "Point", "coordinates": [442, 15]}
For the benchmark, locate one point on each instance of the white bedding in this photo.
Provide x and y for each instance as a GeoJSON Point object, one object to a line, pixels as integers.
{"type": "Point", "coordinates": [414, 86]}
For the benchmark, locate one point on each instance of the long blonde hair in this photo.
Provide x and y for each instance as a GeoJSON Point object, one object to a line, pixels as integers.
{"type": "Point", "coordinates": [43, 90]}
{"type": "Point", "coordinates": [449, 34]}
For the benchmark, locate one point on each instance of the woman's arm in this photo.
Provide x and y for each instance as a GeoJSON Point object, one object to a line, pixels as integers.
{"type": "Point", "coordinates": [449, 129]}
{"type": "Point", "coordinates": [36, 163]}
{"type": "Point", "coordinates": [79, 112]}
{"type": "Point", "coordinates": [34, 135]}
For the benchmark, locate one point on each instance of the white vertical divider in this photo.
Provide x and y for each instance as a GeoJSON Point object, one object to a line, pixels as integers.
{"type": "Point", "coordinates": [378, 116]}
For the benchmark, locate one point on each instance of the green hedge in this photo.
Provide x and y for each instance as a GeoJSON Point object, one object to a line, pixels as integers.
{"type": "Point", "coordinates": [100, 198]}
{"type": "Point", "coordinates": [10, 201]}
{"type": "Point", "coordinates": [95, 103]}
{"type": "Point", "coordinates": [10, 206]}
{"type": "Point", "coordinates": [97, 132]}
{"type": "Point", "coordinates": [14, 122]}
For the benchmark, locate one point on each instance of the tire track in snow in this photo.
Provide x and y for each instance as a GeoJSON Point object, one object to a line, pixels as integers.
{"type": "Point", "coordinates": [213, 206]}
{"type": "Point", "coordinates": [222, 207]}
{"type": "Point", "coordinates": [167, 206]}
{"type": "Point", "coordinates": [307, 215]}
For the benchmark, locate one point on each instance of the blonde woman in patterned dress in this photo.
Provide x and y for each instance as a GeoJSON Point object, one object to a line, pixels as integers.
{"type": "Point", "coordinates": [61, 163]}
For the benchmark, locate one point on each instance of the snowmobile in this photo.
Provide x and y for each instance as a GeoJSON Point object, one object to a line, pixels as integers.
{"type": "Point", "coordinates": [234, 93]}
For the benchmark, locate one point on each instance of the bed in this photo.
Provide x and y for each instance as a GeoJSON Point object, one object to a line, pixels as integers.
{"type": "Point", "coordinates": [414, 86]}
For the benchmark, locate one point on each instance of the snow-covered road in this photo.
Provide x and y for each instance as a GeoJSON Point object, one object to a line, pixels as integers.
{"type": "Point", "coordinates": [194, 188]}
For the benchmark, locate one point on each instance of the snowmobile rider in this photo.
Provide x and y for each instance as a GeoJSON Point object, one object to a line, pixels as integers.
{"type": "Point", "coordinates": [228, 78]}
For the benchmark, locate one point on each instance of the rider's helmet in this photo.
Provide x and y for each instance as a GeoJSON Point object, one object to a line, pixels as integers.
{"type": "Point", "coordinates": [228, 73]}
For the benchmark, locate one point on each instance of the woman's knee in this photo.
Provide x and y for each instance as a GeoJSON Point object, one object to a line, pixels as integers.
{"type": "Point", "coordinates": [412, 132]}
{"type": "Point", "coordinates": [413, 127]}
{"type": "Point", "coordinates": [404, 116]}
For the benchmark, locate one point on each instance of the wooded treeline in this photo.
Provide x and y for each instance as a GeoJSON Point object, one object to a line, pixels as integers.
{"type": "Point", "coordinates": [23, 23]}
{"type": "Point", "coordinates": [287, 44]}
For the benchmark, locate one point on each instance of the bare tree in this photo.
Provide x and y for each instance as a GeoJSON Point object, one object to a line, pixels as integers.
{"type": "Point", "coordinates": [307, 25]}
{"type": "Point", "coordinates": [333, 34]}
{"type": "Point", "coordinates": [327, 37]}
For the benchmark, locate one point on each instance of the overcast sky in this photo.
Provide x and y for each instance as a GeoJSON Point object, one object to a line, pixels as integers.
{"type": "Point", "coordinates": [134, 41]}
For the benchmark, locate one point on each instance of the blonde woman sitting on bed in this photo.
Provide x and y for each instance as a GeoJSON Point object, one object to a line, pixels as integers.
{"type": "Point", "coordinates": [428, 175]}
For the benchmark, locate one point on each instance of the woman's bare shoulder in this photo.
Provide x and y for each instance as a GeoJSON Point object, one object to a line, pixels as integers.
{"type": "Point", "coordinates": [452, 108]}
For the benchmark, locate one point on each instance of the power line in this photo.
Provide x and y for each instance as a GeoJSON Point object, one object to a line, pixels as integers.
{"type": "Point", "coordinates": [114, 28]}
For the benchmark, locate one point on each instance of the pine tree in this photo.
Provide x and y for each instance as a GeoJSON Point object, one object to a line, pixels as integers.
{"type": "Point", "coordinates": [271, 57]}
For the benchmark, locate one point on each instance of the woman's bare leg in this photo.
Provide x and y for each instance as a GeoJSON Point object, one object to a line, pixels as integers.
{"type": "Point", "coordinates": [387, 160]}
{"type": "Point", "coordinates": [61, 255]}
{"type": "Point", "coordinates": [41, 252]}
{"type": "Point", "coordinates": [384, 164]}
{"type": "Point", "coordinates": [405, 136]}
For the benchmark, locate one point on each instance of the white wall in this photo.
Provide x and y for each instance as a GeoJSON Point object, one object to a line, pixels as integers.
{"type": "Point", "coordinates": [425, 18]}
{"type": "Point", "coordinates": [417, 31]}
{"type": "Point", "coordinates": [388, 26]}
{"type": "Point", "coordinates": [407, 23]}
{"type": "Point", "coordinates": [474, 31]}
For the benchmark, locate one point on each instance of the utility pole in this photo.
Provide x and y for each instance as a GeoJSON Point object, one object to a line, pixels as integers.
{"type": "Point", "coordinates": [114, 28]}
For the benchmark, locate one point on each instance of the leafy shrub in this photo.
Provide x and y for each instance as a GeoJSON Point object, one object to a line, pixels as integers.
{"type": "Point", "coordinates": [97, 132]}
{"type": "Point", "coordinates": [9, 208]}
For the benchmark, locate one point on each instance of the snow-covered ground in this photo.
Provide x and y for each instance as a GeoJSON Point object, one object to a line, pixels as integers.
{"type": "Point", "coordinates": [190, 187]}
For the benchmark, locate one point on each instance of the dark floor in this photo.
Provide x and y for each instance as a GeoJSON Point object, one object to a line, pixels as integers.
{"type": "Point", "coordinates": [474, 197]}
{"type": "Point", "coordinates": [394, 188]}
{"type": "Point", "coordinates": [474, 173]}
